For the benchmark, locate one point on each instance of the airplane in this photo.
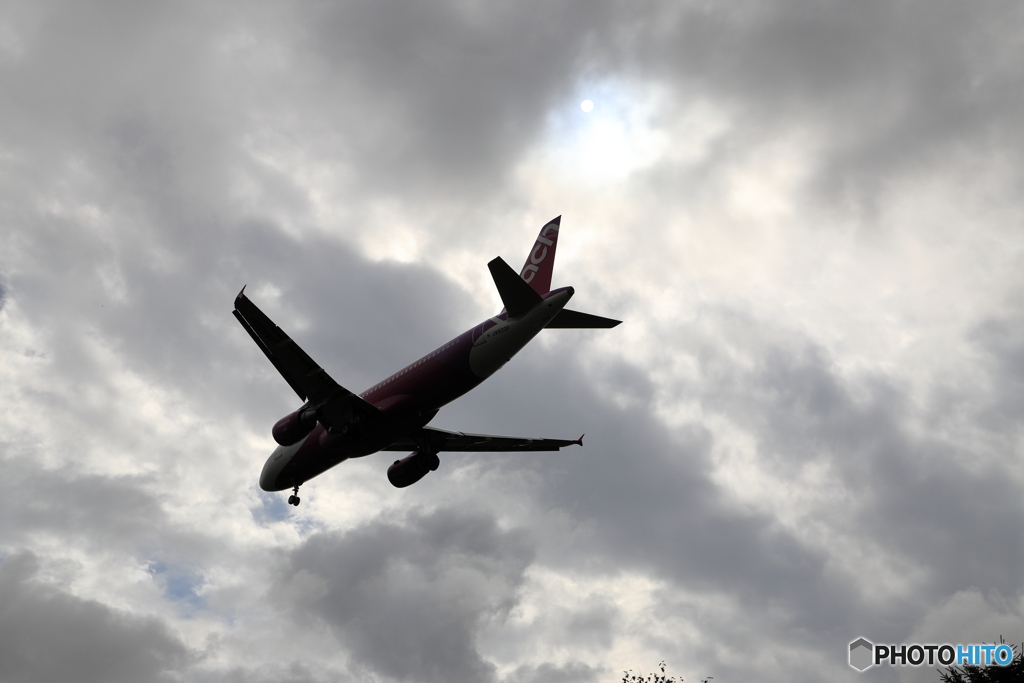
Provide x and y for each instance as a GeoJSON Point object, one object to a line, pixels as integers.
{"type": "Point", "coordinates": [333, 424]}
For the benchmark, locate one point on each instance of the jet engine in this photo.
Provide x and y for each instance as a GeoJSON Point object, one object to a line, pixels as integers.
{"type": "Point", "coordinates": [412, 468]}
{"type": "Point", "coordinates": [293, 428]}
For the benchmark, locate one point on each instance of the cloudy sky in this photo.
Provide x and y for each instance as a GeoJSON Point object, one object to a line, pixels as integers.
{"type": "Point", "coordinates": [808, 429]}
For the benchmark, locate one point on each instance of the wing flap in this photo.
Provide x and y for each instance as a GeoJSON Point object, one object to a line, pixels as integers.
{"type": "Point", "coordinates": [440, 440]}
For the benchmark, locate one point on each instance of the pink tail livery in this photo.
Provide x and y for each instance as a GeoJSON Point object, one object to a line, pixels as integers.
{"type": "Point", "coordinates": [541, 262]}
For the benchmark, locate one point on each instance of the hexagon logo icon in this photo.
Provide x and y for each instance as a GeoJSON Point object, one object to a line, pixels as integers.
{"type": "Point", "coordinates": [860, 654]}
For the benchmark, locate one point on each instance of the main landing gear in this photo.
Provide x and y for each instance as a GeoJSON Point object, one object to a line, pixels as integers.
{"type": "Point", "coordinates": [294, 498]}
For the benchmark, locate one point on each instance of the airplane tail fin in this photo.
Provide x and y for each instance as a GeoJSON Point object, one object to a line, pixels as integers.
{"type": "Point", "coordinates": [536, 274]}
{"type": "Point", "coordinates": [541, 261]}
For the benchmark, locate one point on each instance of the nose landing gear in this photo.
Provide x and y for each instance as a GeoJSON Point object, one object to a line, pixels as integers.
{"type": "Point", "coordinates": [294, 498]}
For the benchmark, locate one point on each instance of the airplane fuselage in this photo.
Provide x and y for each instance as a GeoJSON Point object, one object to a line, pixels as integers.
{"type": "Point", "coordinates": [410, 398]}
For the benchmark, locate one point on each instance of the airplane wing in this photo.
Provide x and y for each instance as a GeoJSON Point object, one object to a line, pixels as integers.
{"type": "Point", "coordinates": [334, 403]}
{"type": "Point", "coordinates": [443, 440]}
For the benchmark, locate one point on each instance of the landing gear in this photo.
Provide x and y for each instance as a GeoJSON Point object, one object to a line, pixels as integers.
{"type": "Point", "coordinates": [294, 498]}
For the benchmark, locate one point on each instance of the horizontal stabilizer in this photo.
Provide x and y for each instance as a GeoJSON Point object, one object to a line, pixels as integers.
{"type": "Point", "coordinates": [515, 293]}
{"type": "Point", "coordinates": [567, 319]}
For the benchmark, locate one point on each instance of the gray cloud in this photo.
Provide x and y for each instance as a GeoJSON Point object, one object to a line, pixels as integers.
{"type": "Point", "coordinates": [446, 98]}
{"type": "Point", "coordinates": [49, 635]}
{"type": "Point", "coordinates": [406, 596]}
{"type": "Point", "coordinates": [576, 672]}
{"type": "Point", "coordinates": [881, 90]}
{"type": "Point", "coordinates": [1000, 339]}
{"type": "Point", "coordinates": [295, 672]}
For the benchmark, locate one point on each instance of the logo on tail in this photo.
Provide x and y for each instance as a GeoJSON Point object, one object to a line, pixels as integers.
{"type": "Point", "coordinates": [541, 262]}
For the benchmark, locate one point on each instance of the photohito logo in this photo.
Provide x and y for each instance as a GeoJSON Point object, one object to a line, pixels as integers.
{"type": "Point", "coordinates": [863, 654]}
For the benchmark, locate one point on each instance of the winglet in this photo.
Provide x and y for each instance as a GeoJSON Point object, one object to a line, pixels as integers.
{"type": "Point", "coordinates": [580, 440]}
{"type": "Point", "coordinates": [241, 293]}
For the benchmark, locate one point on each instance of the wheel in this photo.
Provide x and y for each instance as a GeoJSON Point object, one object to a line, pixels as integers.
{"type": "Point", "coordinates": [296, 503]}
{"type": "Point", "coordinates": [291, 500]}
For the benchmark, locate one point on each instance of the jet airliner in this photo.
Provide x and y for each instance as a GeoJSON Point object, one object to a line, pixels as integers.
{"type": "Point", "coordinates": [333, 424]}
